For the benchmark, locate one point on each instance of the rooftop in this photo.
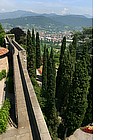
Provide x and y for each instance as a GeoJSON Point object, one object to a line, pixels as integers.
{"type": "Point", "coordinates": [3, 51]}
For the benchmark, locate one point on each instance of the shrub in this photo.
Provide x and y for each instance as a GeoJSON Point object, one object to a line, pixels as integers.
{"type": "Point", "coordinates": [2, 74]}
{"type": "Point", "coordinates": [4, 114]}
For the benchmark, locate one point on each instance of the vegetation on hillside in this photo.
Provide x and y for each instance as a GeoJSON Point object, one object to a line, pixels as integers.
{"type": "Point", "coordinates": [20, 36]}
{"type": "Point", "coordinates": [31, 61]}
{"type": "Point", "coordinates": [4, 115]}
{"type": "Point", "coordinates": [57, 23]}
{"type": "Point", "coordinates": [2, 34]}
{"type": "Point", "coordinates": [65, 98]}
{"type": "Point", "coordinates": [2, 74]}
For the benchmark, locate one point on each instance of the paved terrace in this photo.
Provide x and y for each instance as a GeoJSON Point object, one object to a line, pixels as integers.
{"type": "Point", "coordinates": [30, 120]}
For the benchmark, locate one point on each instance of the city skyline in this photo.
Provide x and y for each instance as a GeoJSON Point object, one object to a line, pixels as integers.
{"type": "Point", "coordinates": [61, 7]}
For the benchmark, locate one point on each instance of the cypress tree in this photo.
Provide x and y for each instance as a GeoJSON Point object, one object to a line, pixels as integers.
{"type": "Point", "coordinates": [77, 104]}
{"type": "Point", "coordinates": [63, 47]}
{"type": "Point", "coordinates": [34, 51]}
{"type": "Point", "coordinates": [44, 72]}
{"type": "Point", "coordinates": [51, 113]}
{"type": "Point", "coordinates": [72, 49]}
{"type": "Point", "coordinates": [89, 111]}
{"type": "Point", "coordinates": [38, 52]}
{"type": "Point", "coordinates": [64, 83]}
{"type": "Point", "coordinates": [30, 56]}
{"type": "Point", "coordinates": [59, 73]}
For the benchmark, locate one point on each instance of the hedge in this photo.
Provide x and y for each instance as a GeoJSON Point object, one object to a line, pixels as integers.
{"type": "Point", "coordinates": [4, 114]}
{"type": "Point", "coordinates": [2, 74]}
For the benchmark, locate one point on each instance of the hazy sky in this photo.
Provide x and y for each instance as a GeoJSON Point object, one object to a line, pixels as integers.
{"type": "Point", "coordinates": [48, 6]}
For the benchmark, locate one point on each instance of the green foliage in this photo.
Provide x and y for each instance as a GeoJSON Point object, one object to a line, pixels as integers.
{"type": "Point", "coordinates": [34, 50]}
{"type": "Point", "coordinates": [30, 56]}
{"type": "Point", "coordinates": [57, 23]}
{"type": "Point", "coordinates": [89, 111]}
{"type": "Point", "coordinates": [50, 109]}
{"type": "Point", "coordinates": [63, 47]}
{"type": "Point", "coordinates": [72, 50]}
{"type": "Point", "coordinates": [38, 51]}
{"type": "Point", "coordinates": [37, 89]}
{"type": "Point", "coordinates": [84, 50]}
{"type": "Point", "coordinates": [44, 72]}
{"type": "Point", "coordinates": [24, 46]}
{"type": "Point", "coordinates": [77, 104]}
{"type": "Point", "coordinates": [2, 34]}
{"type": "Point", "coordinates": [64, 76]}
{"type": "Point", "coordinates": [4, 114]}
{"type": "Point", "coordinates": [2, 74]}
{"type": "Point", "coordinates": [19, 35]}
{"type": "Point", "coordinates": [65, 79]}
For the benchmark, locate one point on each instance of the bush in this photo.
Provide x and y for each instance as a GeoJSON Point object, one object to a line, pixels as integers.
{"type": "Point", "coordinates": [2, 74]}
{"type": "Point", "coordinates": [4, 114]}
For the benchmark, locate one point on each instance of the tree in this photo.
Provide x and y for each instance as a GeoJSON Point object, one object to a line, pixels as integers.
{"type": "Point", "coordinates": [51, 113]}
{"type": "Point", "coordinates": [89, 62]}
{"type": "Point", "coordinates": [64, 83]}
{"type": "Point", "coordinates": [84, 50]}
{"type": "Point", "coordinates": [19, 35]}
{"type": "Point", "coordinates": [63, 47]}
{"type": "Point", "coordinates": [34, 50]}
{"type": "Point", "coordinates": [73, 48]}
{"type": "Point", "coordinates": [2, 34]}
{"type": "Point", "coordinates": [44, 73]}
{"type": "Point", "coordinates": [38, 52]}
{"type": "Point", "coordinates": [59, 73]}
{"type": "Point", "coordinates": [30, 56]}
{"type": "Point", "coordinates": [77, 104]}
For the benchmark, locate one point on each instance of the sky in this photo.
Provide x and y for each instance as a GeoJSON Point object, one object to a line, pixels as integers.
{"type": "Point", "coordinates": [48, 6]}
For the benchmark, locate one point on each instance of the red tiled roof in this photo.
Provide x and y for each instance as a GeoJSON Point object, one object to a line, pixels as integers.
{"type": "Point", "coordinates": [3, 51]}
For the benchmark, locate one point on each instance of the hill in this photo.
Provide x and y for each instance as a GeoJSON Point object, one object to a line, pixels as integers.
{"type": "Point", "coordinates": [49, 21]}
{"type": "Point", "coordinates": [17, 14]}
{"type": "Point", "coordinates": [73, 20]}
{"type": "Point", "coordinates": [22, 13]}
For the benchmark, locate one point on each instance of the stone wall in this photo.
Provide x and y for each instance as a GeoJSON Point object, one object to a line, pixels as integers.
{"type": "Point", "coordinates": [27, 103]}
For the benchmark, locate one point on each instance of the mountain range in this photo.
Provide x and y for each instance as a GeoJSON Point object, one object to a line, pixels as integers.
{"type": "Point", "coordinates": [21, 13]}
{"type": "Point", "coordinates": [31, 19]}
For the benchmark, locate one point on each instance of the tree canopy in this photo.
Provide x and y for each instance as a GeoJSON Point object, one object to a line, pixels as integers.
{"type": "Point", "coordinates": [2, 34]}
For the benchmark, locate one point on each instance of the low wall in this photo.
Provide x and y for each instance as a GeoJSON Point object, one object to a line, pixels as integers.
{"type": "Point", "coordinates": [21, 109]}
{"type": "Point", "coordinates": [36, 119]}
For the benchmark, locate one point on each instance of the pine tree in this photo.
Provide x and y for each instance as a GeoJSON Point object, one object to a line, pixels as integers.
{"type": "Point", "coordinates": [77, 104]}
{"type": "Point", "coordinates": [59, 73]}
{"type": "Point", "coordinates": [38, 52]}
{"type": "Point", "coordinates": [51, 113]}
